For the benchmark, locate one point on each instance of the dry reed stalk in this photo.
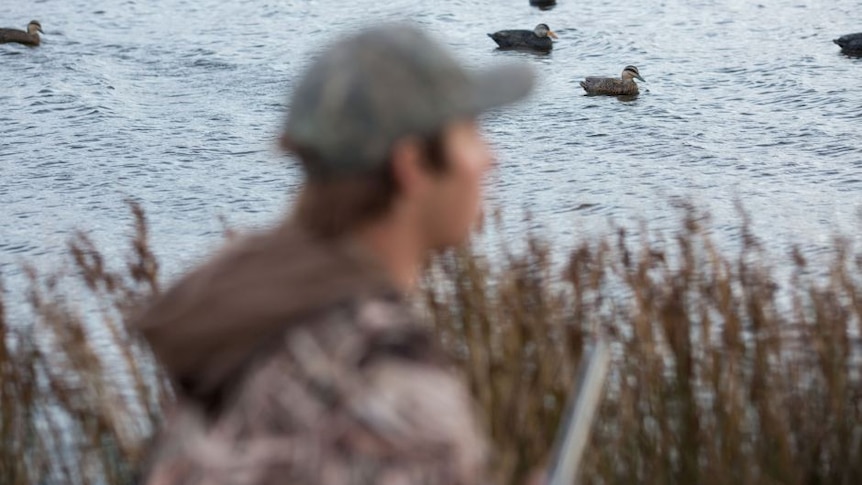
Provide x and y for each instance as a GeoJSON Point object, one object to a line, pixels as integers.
{"type": "Point", "coordinates": [82, 394]}
{"type": "Point", "coordinates": [721, 373]}
{"type": "Point", "coordinates": [716, 378]}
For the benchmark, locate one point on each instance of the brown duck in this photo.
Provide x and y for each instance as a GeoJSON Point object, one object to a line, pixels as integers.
{"type": "Point", "coordinates": [30, 37]}
{"type": "Point", "coordinates": [612, 86]}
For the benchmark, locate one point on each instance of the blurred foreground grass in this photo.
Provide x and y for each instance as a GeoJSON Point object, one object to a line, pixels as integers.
{"type": "Point", "coordinates": [722, 374]}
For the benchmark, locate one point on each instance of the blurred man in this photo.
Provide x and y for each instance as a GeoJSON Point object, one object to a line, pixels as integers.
{"type": "Point", "coordinates": [294, 354]}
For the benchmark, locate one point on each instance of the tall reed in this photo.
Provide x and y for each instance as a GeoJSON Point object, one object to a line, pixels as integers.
{"type": "Point", "coordinates": [723, 372]}
{"type": "Point", "coordinates": [80, 396]}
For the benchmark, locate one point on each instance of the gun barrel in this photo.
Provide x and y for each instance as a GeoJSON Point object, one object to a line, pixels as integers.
{"type": "Point", "coordinates": [584, 401]}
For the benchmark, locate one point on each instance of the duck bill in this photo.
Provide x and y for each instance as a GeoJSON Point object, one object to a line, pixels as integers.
{"type": "Point", "coordinates": [552, 35]}
{"type": "Point", "coordinates": [639, 77]}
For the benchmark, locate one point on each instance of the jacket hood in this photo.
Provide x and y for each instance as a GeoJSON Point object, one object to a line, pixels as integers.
{"type": "Point", "coordinates": [209, 325]}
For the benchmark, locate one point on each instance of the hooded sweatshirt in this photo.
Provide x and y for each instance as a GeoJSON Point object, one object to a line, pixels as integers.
{"type": "Point", "coordinates": [295, 360]}
{"type": "Point", "coordinates": [205, 329]}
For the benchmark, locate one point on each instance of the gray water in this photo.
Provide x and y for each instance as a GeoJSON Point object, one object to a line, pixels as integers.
{"type": "Point", "coordinates": [176, 103]}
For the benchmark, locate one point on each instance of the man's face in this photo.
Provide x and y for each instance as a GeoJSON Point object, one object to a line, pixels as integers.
{"type": "Point", "coordinates": [454, 202]}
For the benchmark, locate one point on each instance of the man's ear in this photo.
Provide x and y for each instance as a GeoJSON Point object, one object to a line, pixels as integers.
{"type": "Point", "coordinates": [408, 167]}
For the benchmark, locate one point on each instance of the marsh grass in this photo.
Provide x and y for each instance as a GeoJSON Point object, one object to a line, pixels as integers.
{"type": "Point", "coordinates": [79, 397]}
{"type": "Point", "coordinates": [722, 371]}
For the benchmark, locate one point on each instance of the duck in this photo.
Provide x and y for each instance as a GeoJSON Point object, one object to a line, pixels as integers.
{"type": "Point", "coordinates": [543, 4]}
{"type": "Point", "coordinates": [538, 39]}
{"type": "Point", "coordinates": [30, 37]}
{"type": "Point", "coordinates": [850, 44]}
{"type": "Point", "coordinates": [624, 86]}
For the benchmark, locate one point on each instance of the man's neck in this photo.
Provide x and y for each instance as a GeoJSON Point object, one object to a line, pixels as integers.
{"type": "Point", "coordinates": [398, 249]}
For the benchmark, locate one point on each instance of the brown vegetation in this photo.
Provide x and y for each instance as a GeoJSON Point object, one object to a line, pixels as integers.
{"type": "Point", "coordinates": [79, 397]}
{"type": "Point", "coordinates": [721, 372]}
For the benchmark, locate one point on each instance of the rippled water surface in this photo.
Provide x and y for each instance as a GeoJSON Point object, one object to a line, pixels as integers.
{"type": "Point", "coordinates": [176, 103]}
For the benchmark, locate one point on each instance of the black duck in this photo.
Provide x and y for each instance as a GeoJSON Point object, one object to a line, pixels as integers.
{"type": "Point", "coordinates": [537, 39]}
{"type": "Point", "coordinates": [850, 44]}
{"type": "Point", "coordinates": [544, 4]}
{"type": "Point", "coordinates": [622, 86]}
{"type": "Point", "coordinates": [30, 37]}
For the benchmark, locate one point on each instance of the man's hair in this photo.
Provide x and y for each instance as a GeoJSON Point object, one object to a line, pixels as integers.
{"type": "Point", "coordinates": [330, 206]}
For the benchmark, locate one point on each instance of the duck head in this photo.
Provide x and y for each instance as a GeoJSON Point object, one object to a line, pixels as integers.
{"type": "Point", "coordinates": [542, 30]}
{"type": "Point", "coordinates": [33, 27]}
{"type": "Point", "coordinates": [631, 72]}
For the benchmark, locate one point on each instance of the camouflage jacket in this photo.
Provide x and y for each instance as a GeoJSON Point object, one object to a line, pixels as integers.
{"type": "Point", "coordinates": [354, 393]}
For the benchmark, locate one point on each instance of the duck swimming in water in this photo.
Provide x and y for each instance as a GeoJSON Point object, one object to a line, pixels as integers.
{"type": "Point", "coordinates": [538, 39]}
{"type": "Point", "coordinates": [623, 86]}
{"type": "Point", "coordinates": [544, 4]}
{"type": "Point", "coordinates": [30, 37]}
{"type": "Point", "coordinates": [851, 44]}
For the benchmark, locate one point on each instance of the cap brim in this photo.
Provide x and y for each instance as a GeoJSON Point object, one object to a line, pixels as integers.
{"type": "Point", "coordinates": [501, 85]}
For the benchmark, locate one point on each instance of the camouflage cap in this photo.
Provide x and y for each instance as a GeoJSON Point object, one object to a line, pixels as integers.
{"type": "Point", "coordinates": [370, 89]}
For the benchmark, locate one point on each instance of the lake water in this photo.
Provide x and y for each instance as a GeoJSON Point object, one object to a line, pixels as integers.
{"type": "Point", "coordinates": [176, 103]}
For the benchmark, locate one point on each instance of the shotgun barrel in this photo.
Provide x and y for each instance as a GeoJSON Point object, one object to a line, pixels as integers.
{"type": "Point", "coordinates": [574, 434]}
